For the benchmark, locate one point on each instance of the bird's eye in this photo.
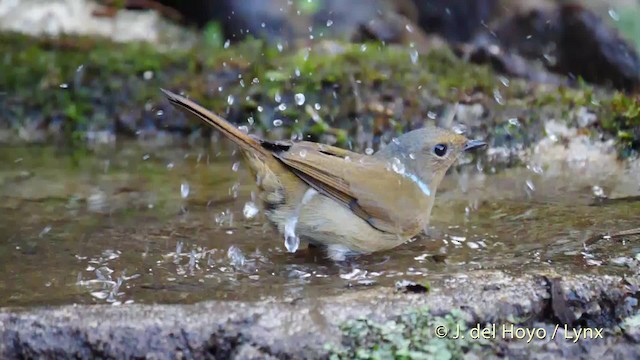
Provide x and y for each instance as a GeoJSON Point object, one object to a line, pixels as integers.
{"type": "Point", "coordinates": [440, 150]}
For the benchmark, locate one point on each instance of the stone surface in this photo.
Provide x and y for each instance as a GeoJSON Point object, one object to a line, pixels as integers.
{"type": "Point", "coordinates": [59, 17]}
{"type": "Point", "coordinates": [302, 328]}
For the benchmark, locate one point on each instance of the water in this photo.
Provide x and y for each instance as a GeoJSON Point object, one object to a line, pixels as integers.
{"type": "Point", "coordinates": [73, 230]}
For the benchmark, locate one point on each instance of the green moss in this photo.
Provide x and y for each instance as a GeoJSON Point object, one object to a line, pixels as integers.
{"type": "Point", "coordinates": [620, 116]}
{"type": "Point", "coordinates": [92, 84]}
{"type": "Point", "coordinates": [410, 336]}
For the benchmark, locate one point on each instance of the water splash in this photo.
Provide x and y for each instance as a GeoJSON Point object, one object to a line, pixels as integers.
{"type": "Point", "coordinates": [598, 191]}
{"type": "Point", "coordinates": [235, 256]}
{"type": "Point", "coordinates": [250, 210]}
{"type": "Point", "coordinates": [291, 240]}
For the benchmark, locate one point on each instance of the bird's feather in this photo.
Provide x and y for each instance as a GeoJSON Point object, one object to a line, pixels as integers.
{"type": "Point", "coordinates": [367, 185]}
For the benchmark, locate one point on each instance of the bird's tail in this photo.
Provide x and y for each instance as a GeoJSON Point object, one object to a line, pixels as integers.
{"type": "Point", "coordinates": [245, 141]}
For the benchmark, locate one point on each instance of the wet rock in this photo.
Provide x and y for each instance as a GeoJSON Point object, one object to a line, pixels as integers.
{"type": "Point", "coordinates": [570, 40]}
{"type": "Point", "coordinates": [455, 20]}
{"type": "Point", "coordinates": [58, 17]}
{"type": "Point", "coordinates": [230, 329]}
{"type": "Point", "coordinates": [507, 62]}
{"type": "Point", "coordinates": [282, 19]}
{"type": "Point", "coordinates": [393, 28]}
{"type": "Point", "coordinates": [610, 60]}
{"type": "Point", "coordinates": [374, 19]}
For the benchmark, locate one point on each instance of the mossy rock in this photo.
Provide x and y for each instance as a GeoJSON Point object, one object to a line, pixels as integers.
{"type": "Point", "coordinates": [354, 95]}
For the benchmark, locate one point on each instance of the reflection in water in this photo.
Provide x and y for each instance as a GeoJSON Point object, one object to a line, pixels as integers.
{"type": "Point", "coordinates": [177, 225]}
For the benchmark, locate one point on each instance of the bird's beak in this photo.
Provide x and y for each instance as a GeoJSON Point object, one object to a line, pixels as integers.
{"type": "Point", "coordinates": [474, 144]}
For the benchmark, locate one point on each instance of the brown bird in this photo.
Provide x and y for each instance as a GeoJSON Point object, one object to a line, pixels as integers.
{"type": "Point", "coordinates": [347, 202]}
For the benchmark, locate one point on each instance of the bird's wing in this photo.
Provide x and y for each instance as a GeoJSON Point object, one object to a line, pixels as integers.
{"type": "Point", "coordinates": [386, 199]}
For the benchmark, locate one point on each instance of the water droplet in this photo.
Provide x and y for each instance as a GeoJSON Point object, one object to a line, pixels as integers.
{"type": "Point", "coordinates": [317, 106]}
{"type": "Point", "coordinates": [397, 165]}
{"type": "Point", "coordinates": [368, 151]}
{"type": "Point", "coordinates": [277, 97]}
{"type": "Point", "coordinates": [279, 46]}
{"type": "Point", "coordinates": [260, 108]}
{"type": "Point", "coordinates": [329, 23]}
{"type": "Point", "coordinates": [414, 56]}
{"type": "Point", "coordinates": [159, 113]}
{"type": "Point", "coordinates": [147, 75]}
{"type": "Point", "coordinates": [497, 96]}
{"type": "Point", "coordinates": [299, 98]}
{"type": "Point", "coordinates": [363, 47]}
{"type": "Point", "coordinates": [432, 115]}
{"type": "Point", "coordinates": [234, 254]}
{"type": "Point", "coordinates": [64, 86]}
{"type": "Point", "coordinates": [184, 190]}
{"type": "Point", "coordinates": [303, 153]}
{"type": "Point", "coordinates": [598, 191]}
{"type": "Point", "coordinates": [250, 210]}
{"type": "Point", "coordinates": [255, 81]}
{"type": "Point", "coordinates": [409, 28]}
{"type": "Point", "coordinates": [235, 166]}
{"type": "Point", "coordinates": [277, 122]}
{"type": "Point", "coordinates": [459, 129]}
{"type": "Point", "coordinates": [243, 128]}
{"type": "Point", "coordinates": [263, 25]}
{"type": "Point", "coordinates": [614, 15]}
{"type": "Point", "coordinates": [250, 120]}
{"type": "Point", "coordinates": [227, 43]}
{"type": "Point", "coordinates": [282, 107]}
{"type": "Point", "coordinates": [412, 156]}
{"type": "Point", "coordinates": [514, 122]}
{"type": "Point", "coordinates": [230, 100]}
{"type": "Point", "coordinates": [530, 185]}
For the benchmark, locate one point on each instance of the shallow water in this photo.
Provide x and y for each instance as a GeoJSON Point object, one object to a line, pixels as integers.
{"type": "Point", "coordinates": [166, 224]}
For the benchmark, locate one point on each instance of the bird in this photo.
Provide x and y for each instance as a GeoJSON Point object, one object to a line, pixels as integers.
{"type": "Point", "coordinates": [342, 201]}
